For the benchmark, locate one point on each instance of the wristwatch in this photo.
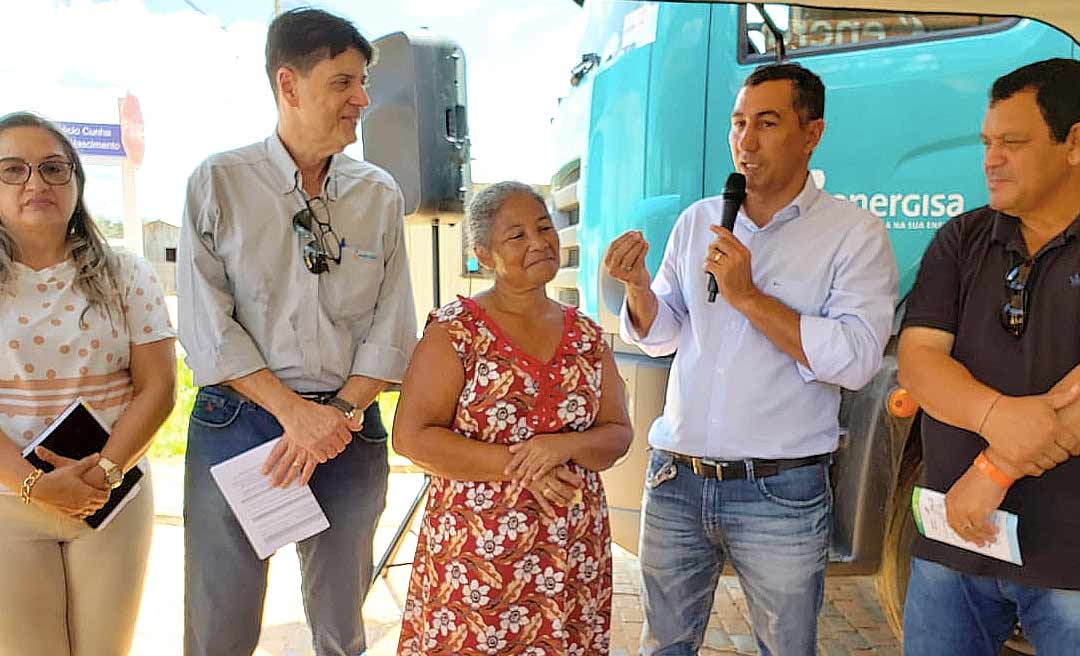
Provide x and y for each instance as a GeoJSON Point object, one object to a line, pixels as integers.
{"type": "Point", "coordinates": [347, 409]}
{"type": "Point", "coordinates": [114, 476]}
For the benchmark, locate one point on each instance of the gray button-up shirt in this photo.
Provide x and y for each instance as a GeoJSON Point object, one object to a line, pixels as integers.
{"type": "Point", "coordinates": [247, 302]}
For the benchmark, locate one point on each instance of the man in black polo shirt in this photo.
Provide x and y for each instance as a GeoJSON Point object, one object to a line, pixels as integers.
{"type": "Point", "coordinates": [990, 342]}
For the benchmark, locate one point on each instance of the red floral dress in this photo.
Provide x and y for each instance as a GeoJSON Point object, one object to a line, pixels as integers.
{"type": "Point", "coordinates": [492, 574]}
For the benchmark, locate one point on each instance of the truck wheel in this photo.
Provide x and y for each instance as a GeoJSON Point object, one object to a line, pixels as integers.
{"type": "Point", "coordinates": [892, 580]}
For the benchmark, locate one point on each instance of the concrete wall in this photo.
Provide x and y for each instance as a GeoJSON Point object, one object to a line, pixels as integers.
{"type": "Point", "coordinates": [158, 236]}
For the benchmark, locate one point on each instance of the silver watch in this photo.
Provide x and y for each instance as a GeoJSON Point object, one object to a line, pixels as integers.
{"type": "Point", "coordinates": [346, 408]}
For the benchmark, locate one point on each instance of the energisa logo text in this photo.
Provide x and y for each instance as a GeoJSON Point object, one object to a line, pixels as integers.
{"type": "Point", "coordinates": [902, 205]}
{"type": "Point", "coordinates": [889, 206]}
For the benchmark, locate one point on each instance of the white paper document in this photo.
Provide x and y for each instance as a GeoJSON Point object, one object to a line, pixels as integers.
{"type": "Point", "coordinates": [928, 507]}
{"type": "Point", "coordinates": [270, 516]}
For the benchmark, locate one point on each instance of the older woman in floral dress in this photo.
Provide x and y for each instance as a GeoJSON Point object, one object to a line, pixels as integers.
{"type": "Point", "coordinates": [513, 402]}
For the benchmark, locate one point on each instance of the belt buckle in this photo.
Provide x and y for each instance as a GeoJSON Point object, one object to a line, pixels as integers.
{"type": "Point", "coordinates": [717, 470]}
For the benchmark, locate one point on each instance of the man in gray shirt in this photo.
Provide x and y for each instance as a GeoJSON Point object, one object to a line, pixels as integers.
{"type": "Point", "coordinates": [295, 311]}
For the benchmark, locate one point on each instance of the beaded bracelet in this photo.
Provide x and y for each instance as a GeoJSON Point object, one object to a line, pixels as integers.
{"type": "Point", "coordinates": [28, 485]}
{"type": "Point", "coordinates": [986, 466]}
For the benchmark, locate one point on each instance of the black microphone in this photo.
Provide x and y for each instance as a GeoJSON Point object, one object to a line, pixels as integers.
{"type": "Point", "coordinates": [733, 197]}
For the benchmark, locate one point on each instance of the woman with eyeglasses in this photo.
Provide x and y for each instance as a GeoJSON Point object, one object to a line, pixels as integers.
{"type": "Point", "coordinates": [513, 403]}
{"type": "Point", "coordinates": [78, 320]}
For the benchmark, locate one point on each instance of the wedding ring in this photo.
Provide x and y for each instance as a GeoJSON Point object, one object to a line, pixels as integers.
{"type": "Point", "coordinates": [577, 497]}
{"type": "Point", "coordinates": [296, 465]}
{"type": "Point", "coordinates": [627, 268]}
{"type": "Point", "coordinates": [716, 257]}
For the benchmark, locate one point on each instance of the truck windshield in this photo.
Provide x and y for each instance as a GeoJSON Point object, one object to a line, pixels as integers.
{"type": "Point", "coordinates": [808, 28]}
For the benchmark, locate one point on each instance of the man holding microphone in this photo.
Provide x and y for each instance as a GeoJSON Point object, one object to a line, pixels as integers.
{"type": "Point", "coordinates": [739, 466]}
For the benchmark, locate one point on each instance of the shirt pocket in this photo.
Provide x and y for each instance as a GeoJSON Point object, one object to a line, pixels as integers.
{"type": "Point", "coordinates": [352, 288]}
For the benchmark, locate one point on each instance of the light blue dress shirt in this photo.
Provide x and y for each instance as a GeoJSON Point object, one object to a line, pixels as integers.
{"type": "Point", "coordinates": [732, 393]}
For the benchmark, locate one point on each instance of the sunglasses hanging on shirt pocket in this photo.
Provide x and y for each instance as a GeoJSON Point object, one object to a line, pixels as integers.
{"type": "Point", "coordinates": [318, 250]}
{"type": "Point", "coordinates": [1014, 313]}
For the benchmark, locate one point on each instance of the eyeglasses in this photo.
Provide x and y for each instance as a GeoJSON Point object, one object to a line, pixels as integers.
{"type": "Point", "coordinates": [318, 250]}
{"type": "Point", "coordinates": [55, 172]}
{"type": "Point", "coordinates": [1014, 312]}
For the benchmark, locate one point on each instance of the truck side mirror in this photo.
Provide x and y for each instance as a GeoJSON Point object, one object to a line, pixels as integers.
{"type": "Point", "coordinates": [416, 126]}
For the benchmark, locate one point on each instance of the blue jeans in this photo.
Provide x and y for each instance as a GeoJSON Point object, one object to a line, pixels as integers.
{"type": "Point", "coordinates": [948, 612]}
{"type": "Point", "coordinates": [224, 581]}
{"type": "Point", "coordinates": [775, 531]}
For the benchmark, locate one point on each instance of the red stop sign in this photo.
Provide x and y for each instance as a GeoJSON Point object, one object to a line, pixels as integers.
{"type": "Point", "coordinates": [131, 129]}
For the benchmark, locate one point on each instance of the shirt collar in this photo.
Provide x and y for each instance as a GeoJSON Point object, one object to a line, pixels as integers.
{"type": "Point", "coordinates": [798, 206]}
{"type": "Point", "coordinates": [289, 175]}
{"type": "Point", "coordinates": [1006, 231]}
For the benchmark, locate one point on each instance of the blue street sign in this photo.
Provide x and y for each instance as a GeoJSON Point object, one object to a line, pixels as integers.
{"type": "Point", "coordinates": [101, 139]}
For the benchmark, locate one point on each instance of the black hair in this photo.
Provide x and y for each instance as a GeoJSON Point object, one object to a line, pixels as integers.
{"type": "Point", "coordinates": [808, 92]}
{"type": "Point", "coordinates": [1056, 83]}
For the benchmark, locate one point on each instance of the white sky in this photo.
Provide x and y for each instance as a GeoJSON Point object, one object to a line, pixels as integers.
{"type": "Point", "coordinates": [200, 81]}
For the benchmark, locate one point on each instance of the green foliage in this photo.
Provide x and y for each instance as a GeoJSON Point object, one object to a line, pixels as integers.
{"type": "Point", "coordinates": [388, 405]}
{"type": "Point", "coordinates": [110, 228]}
{"type": "Point", "coordinates": [171, 438]}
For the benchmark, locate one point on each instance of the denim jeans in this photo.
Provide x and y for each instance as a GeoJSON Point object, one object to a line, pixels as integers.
{"type": "Point", "coordinates": [948, 612]}
{"type": "Point", "coordinates": [774, 530]}
{"type": "Point", "coordinates": [224, 581]}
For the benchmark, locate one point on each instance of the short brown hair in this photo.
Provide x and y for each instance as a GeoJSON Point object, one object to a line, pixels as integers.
{"type": "Point", "coordinates": [301, 38]}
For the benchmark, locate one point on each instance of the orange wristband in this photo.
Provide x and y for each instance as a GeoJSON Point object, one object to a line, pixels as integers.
{"type": "Point", "coordinates": [1000, 478]}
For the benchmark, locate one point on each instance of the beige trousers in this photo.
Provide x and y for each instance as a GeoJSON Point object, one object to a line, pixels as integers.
{"type": "Point", "coordinates": [66, 589]}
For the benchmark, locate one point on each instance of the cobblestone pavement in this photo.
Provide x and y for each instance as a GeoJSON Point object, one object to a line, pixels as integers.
{"type": "Point", "coordinates": [851, 622]}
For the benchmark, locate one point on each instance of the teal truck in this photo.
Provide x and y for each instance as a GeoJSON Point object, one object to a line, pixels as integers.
{"type": "Point", "coordinates": [643, 134]}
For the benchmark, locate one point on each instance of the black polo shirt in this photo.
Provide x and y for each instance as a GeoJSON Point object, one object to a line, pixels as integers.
{"type": "Point", "coordinates": [961, 289]}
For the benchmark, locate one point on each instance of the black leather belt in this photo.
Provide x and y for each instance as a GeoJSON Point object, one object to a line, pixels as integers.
{"type": "Point", "coordinates": [373, 426]}
{"type": "Point", "coordinates": [317, 397]}
{"type": "Point", "coordinates": [749, 468]}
